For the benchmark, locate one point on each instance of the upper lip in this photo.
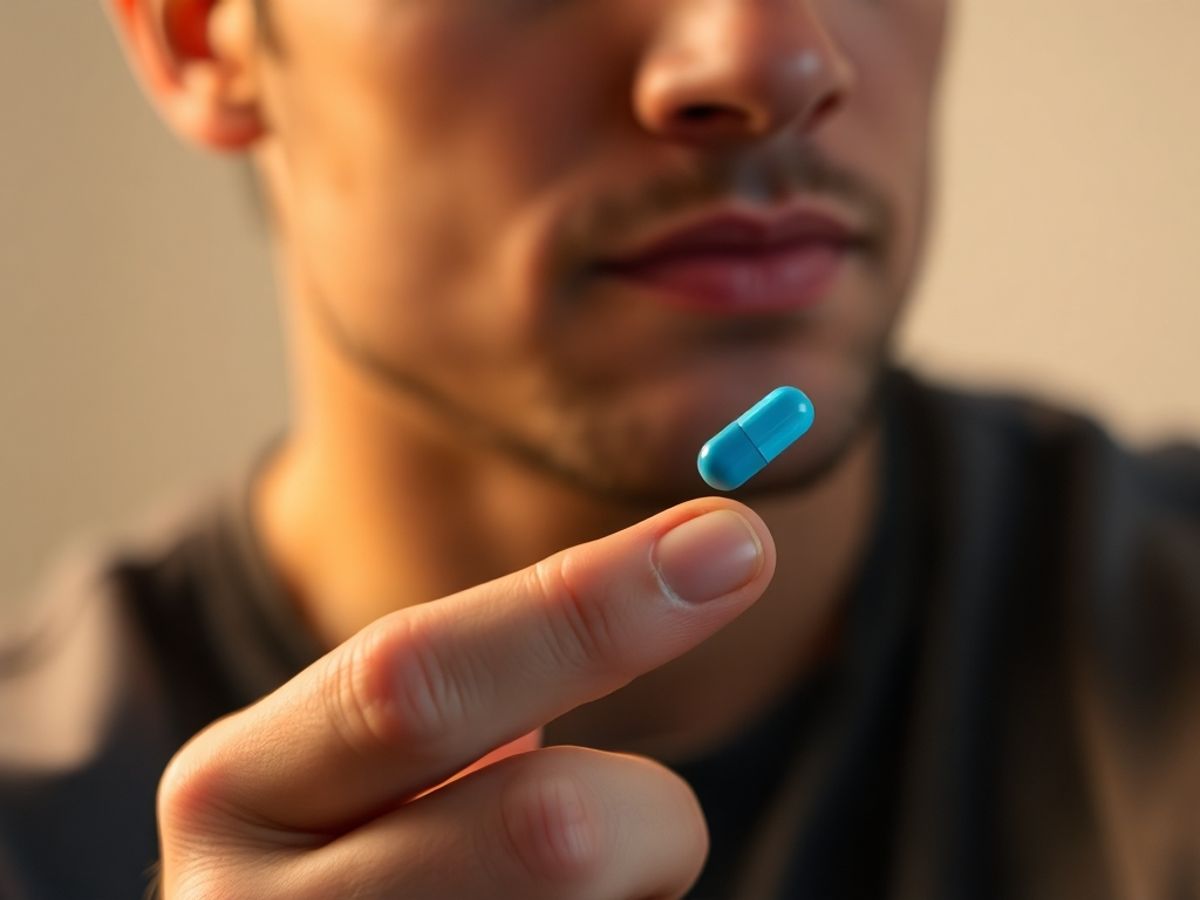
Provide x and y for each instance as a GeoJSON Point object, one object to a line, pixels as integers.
{"type": "Point", "coordinates": [733, 229]}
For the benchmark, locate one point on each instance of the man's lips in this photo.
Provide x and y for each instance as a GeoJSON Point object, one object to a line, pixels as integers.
{"type": "Point", "coordinates": [784, 278]}
{"type": "Point", "coordinates": [739, 264]}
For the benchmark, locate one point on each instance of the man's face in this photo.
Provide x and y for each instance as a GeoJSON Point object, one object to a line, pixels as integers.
{"type": "Point", "coordinates": [459, 175]}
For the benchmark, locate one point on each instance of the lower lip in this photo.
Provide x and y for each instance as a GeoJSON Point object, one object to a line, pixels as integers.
{"type": "Point", "coordinates": [781, 279]}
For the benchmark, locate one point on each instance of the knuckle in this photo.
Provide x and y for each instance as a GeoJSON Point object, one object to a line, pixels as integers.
{"type": "Point", "coordinates": [190, 786]}
{"type": "Point", "coordinates": [198, 834]}
{"type": "Point", "coordinates": [554, 828]}
{"type": "Point", "coordinates": [391, 688]}
{"type": "Point", "coordinates": [176, 784]}
{"type": "Point", "coordinates": [355, 711]}
{"type": "Point", "coordinates": [429, 699]}
{"type": "Point", "coordinates": [580, 633]}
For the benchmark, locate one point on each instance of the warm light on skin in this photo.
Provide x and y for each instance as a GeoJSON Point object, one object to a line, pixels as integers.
{"type": "Point", "coordinates": [445, 197]}
{"type": "Point", "coordinates": [444, 178]}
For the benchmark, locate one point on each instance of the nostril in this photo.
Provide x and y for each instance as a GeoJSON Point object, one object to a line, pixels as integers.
{"type": "Point", "coordinates": [705, 120]}
{"type": "Point", "coordinates": [700, 112]}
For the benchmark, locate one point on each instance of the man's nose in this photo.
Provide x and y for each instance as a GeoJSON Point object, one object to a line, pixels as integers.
{"type": "Point", "coordinates": [736, 70]}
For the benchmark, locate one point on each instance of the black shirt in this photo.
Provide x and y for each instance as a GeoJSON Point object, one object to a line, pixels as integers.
{"type": "Point", "coordinates": [1015, 710]}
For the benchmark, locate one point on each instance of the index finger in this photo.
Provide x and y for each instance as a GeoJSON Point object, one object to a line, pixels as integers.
{"type": "Point", "coordinates": [421, 693]}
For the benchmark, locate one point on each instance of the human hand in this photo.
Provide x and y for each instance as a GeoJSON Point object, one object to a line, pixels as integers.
{"type": "Point", "coordinates": [406, 762]}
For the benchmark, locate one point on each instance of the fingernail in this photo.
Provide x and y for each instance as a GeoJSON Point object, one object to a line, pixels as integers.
{"type": "Point", "coordinates": [709, 556]}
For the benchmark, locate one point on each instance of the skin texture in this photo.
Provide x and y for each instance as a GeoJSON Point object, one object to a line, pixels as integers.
{"type": "Point", "coordinates": [449, 242]}
{"type": "Point", "coordinates": [470, 396]}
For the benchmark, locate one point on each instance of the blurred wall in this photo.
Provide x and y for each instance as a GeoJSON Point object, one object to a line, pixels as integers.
{"type": "Point", "coordinates": [139, 351]}
{"type": "Point", "coordinates": [1066, 257]}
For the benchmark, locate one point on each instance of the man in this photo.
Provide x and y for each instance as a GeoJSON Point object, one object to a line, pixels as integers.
{"type": "Point", "coordinates": [474, 627]}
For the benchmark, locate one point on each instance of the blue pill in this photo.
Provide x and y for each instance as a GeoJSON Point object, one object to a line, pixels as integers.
{"type": "Point", "coordinates": [743, 448]}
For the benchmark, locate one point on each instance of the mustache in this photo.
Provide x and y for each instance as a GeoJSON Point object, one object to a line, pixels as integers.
{"type": "Point", "coordinates": [760, 181]}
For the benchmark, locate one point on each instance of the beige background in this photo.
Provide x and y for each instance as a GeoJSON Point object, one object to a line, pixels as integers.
{"type": "Point", "coordinates": [138, 347]}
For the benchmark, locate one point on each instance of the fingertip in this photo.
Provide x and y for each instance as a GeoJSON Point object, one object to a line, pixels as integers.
{"type": "Point", "coordinates": [759, 526]}
{"type": "Point", "coordinates": [691, 509]}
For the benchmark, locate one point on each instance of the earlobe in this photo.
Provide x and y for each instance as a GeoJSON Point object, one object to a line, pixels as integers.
{"type": "Point", "coordinates": [206, 93]}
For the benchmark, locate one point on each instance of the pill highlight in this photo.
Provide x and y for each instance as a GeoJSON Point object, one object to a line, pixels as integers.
{"type": "Point", "coordinates": [744, 447]}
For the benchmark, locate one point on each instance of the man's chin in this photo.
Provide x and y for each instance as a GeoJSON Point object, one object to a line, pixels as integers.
{"type": "Point", "coordinates": [797, 470]}
{"type": "Point", "coordinates": [649, 458]}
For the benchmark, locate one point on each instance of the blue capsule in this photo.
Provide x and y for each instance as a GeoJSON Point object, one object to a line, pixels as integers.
{"type": "Point", "coordinates": [744, 447]}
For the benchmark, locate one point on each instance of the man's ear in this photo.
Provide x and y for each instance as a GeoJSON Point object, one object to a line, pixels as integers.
{"type": "Point", "coordinates": [198, 60]}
